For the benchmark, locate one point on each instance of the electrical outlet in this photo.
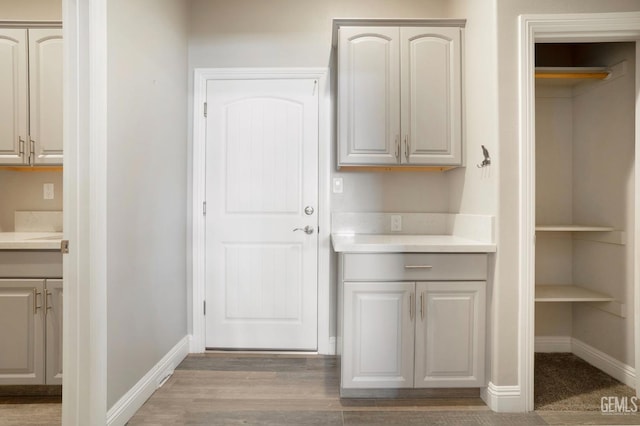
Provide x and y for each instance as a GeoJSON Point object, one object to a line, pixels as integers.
{"type": "Point", "coordinates": [396, 223]}
{"type": "Point", "coordinates": [337, 185]}
{"type": "Point", "coordinates": [47, 191]}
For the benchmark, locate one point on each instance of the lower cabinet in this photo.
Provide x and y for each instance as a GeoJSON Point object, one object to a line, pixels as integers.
{"type": "Point", "coordinates": [413, 334]}
{"type": "Point", "coordinates": [31, 331]}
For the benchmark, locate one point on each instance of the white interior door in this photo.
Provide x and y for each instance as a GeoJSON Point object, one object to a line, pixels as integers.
{"type": "Point", "coordinates": [261, 184]}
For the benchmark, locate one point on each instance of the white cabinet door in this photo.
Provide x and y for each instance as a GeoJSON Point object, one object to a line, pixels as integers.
{"type": "Point", "coordinates": [368, 95]}
{"type": "Point", "coordinates": [378, 335]}
{"type": "Point", "coordinates": [13, 101]}
{"type": "Point", "coordinates": [450, 334]}
{"type": "Point", "coordinates": [21, 332]}
{"type": "Point", "coordinates": [53, 302]}
{"type": "Point", "coordinates": [45, 95]}
{"type": "Point", "coordinates": [431, 96]}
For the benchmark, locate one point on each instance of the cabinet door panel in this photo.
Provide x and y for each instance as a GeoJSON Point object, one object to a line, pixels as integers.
{"type": "Point", "coordinates": [431, 96]}
{"type": "Point", "coordinates": [369, 95]}
{"type": "Point", "coordinates": [450, 334]}
{"type": "Point", "coordinates": [54, 332]}
{"type": "Point", "coordinates": [13, 102]}
{"type": "Point", "coordinates": [378, 335]}
{"type": "Point", "coordinates": [45, 94]}
{"type": "Point", "coordinates": [21, 332]}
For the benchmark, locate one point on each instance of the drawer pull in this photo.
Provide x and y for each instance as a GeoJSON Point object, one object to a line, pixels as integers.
{"type": "Point", "coordinates": [417, 267]}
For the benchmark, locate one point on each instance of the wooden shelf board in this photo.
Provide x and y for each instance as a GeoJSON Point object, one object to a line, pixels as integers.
{"type": "Point", "coordinates": [396, 168]}
{"type": "Point", "coordinates": [581, 73]}
{"type": "Point", "coordinates": [573, 228]}
{"type": "Point", "coordinates": [31, 169]}
{"type": "Point", "coordinates": [568, 293]}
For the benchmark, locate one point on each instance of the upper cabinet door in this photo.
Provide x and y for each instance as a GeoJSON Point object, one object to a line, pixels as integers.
{"type": "Point", "coordinates": [368, 95]}
{"type": "Point", "coordinates": [13, 101]}
{"type": "Point", "coordinates": [45, 95]}
{"type": "Point", "coordinates": [431, 95]}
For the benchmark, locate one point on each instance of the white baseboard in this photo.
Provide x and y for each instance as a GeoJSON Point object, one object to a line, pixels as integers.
{"type": "Point", "coordinates": [131, 402]}
{"type": "Point", "coordinates": [503, 399]}
{"type": "Point", "coordinates": [553, 344]}
{"type": "Point", "coordinates": [616, 369]}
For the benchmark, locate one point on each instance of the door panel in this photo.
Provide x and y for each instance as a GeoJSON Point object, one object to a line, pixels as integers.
{"type": "Point", "coordinates": [45, 94]}
{"type": "Point", "coordinates": [21, 332]}
{"type": "Point", "coordinates": [369, 95]}
{"type": "Point", "coordinates": [54, 332]}
{"type": "Point", "coordinates": [378, 335]}
{"type": "Point", "coordinates": [450, 334]}
{"type": "Point", "coordinates": [261, 162]}
{"type": "Point", "coordinates": [13, 102]}
{"type": "Point", "coordinates": [431, 112]}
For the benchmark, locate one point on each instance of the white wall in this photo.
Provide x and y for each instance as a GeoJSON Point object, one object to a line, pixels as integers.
{"type": "Point", "coordinates": [604, 121]}
{"type": "Point", "coordinates": [146, 187]}
{"type": "Point", "coordinates": [506, 370]}
{"type": "Point", "coordinates": [31, 10]}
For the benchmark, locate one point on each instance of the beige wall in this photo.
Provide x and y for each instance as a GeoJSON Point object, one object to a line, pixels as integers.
{"type": "Point", "coordinates": [22, 190]}
{"type": "Point", "coordinates": [295, 33]}
{"type": "Point", "coordinates": [146, 187]}
{"type": "Point", "coordinates": [31, 10]}
{"type": "Point", "coordinates": [505, 364]}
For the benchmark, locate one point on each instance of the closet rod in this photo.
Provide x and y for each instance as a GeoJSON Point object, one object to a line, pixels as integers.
{"type": "Point", "coordinates": [572, 73]}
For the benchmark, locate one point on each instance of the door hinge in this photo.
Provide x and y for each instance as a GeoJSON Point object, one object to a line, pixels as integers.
{"type": "Point", "coordinates": [204, 208]}
{"type": "Point", "coordinates": [205, 109]}
{"type": "Point", "coordinates": [204, 307]}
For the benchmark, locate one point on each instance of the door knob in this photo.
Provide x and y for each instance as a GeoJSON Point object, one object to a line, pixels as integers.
{"type": "Point", "coordinates": [307, 229]}
{"type": "Point", "coordinates": [308, 210]}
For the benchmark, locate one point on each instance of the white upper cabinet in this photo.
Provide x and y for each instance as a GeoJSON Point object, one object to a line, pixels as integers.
{"type": "Point", "coordinates": [369, 95]}
{"type": "Point", "coordinates": [45, 95]}
{"type": "Point", "coordinates": [14, 129]}
{"type": "Point", "coordinates": [31, 100]}
{"type": "Point", "coordinates": [431, 96]}
{"type": "Point", "coordinates": [399, 95]}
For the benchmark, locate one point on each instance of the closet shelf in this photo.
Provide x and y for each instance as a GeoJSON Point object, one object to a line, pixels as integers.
{"type": "Point", "coordinates": [573, 228]}
{"type": "Point", "coordinates": [572, 74]}
{"type": "Point", "coordinates": [568, 293]}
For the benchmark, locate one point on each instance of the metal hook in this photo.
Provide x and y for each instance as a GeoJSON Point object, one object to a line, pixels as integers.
{"type": "Point", "coordinates": [487, 159]}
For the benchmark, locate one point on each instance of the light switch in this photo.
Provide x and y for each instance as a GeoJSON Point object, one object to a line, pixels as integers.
{"type": "Point", "coordinates": [337, 185]}
{"type": "Point", "coordinates": [47, 190]}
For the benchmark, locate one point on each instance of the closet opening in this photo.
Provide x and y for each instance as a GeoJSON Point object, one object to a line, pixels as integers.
{"type": "Point", "coordinates": [584, 210]}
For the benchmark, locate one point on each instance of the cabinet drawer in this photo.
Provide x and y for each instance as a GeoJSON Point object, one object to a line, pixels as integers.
{"type": "Point", "coordinates": [414, 266]}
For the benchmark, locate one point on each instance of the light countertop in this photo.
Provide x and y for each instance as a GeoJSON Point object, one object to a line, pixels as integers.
{"type": "Point", "coordinates": [385, 243]}
{"type": "Point", "coordinates": [30, 240]}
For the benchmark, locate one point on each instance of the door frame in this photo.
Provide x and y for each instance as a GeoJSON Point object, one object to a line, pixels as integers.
{"type": "Point", "coordinates": [201, 75]}
{"type": "Point", "coordinates": [592, 27]}
{"type": "Point", "coordinates": [84, 381]}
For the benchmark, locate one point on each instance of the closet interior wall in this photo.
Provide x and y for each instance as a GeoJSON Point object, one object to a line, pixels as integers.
{"type": "Point", "coordinates": [584, 175]}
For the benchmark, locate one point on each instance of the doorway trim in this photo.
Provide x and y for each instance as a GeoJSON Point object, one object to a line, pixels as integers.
{"type": "Point", "coordinates": [596, 27]}
{"type": "Point", "coordinates": [84, 381]}
{"type": "Point", "coordinates": [325, 343]}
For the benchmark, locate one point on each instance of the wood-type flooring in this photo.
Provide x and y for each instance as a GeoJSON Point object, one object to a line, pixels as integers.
{"type": "Point", "coordinates": [252, 389]}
